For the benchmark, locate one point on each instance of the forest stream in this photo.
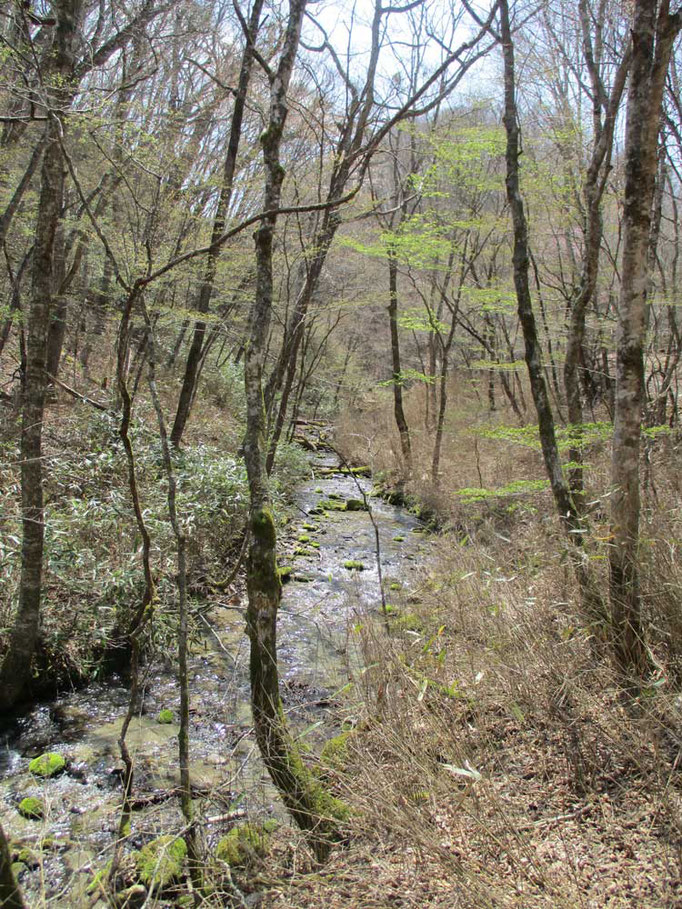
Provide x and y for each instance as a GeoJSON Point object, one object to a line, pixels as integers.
{"type": "Point", "coordinates": [324, 600]}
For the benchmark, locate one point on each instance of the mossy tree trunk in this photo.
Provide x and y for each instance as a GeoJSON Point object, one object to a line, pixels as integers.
{"type": "Point", "coordinates": [10, 893]}
{"type": "Point", "coordinates": [312, 809]}
{"type": "Point", "coordinates": [16, 669]}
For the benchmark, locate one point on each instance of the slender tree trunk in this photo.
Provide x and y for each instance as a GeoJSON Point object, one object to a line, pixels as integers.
{"type": "Point", "coordinates": [604, 115]}
{"type": "Point", "coordinates": [194, 355]}
{"type": "Point", "coordinates": [593, 605]}
{"type": "Point", "coordinates": [653, 34]}
{"type": "Point", "coordinates": [398, 410]}
{"type": "Point", "coordinates": [308, 804]}
{"type": "Point", "coordinates": [16, 669]}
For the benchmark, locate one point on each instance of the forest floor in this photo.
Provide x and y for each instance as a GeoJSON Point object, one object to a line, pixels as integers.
{"type": "Point", "coordinates": [493, 762]}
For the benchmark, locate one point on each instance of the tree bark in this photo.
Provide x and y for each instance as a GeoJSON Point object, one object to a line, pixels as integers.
{"type": "Point", "coordinates": [16, 668]}
{"type": "Point", "coordinates": [653, 33]}
{"type": "Point", "coordinates": [592, 602]}
{"type": "Point", "coordinates": [398, 410]}
{"type": "Point", "coordinates": [311, 808]}
{"type": "Point", "coordinates": [10, 893]}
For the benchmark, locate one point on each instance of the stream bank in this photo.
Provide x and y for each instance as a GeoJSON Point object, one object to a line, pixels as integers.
{"type": "Point", "coordinates": [329, 564]}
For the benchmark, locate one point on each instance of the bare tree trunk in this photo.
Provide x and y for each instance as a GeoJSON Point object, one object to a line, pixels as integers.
{"type": "Point", "coordinates": [653, 34]}
{"type": "Point", "coordinates": [398, 410]}
{"type": "Point", "coordinates": [312, 809]}
{"type": "Point", "coordinates": [605, 110]}
{"type": "Point", "coordinates": [194, 355]}
{"type": "Point", "coordinates": [593, 605]}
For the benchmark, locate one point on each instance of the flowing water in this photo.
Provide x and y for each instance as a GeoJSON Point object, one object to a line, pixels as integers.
{"type": "Point", "coordinates": [323, 602]}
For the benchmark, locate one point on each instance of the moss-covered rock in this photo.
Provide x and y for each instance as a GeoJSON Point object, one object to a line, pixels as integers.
{"type": "Point", "coordinates": [304, 538]}
{"type": "Point", "coordinates": [398, 538]}
{"type": "Point", "coordinates": [310, 527]}
{"type": "Point", "coordinates": [47, 765]}
{"type": "Point", "coordinates": [160, 862]}
{"type": "Point", "coordinates": [356, 505]}
{"type": "Point", "coordinates": [165, 717]}
{"type": "Point", "coordinates": [31, 808]}
{"type": "Point", "coordinates": [396, 585]}
{"type": "Point", "coordinates": [353, 565]}
{"type": "Point", "coordinates": [285, 573]}
{"type": "Point", "coordinates": [18, 869]}
{"type": "Point", "coordinates": [244, 843]}
{"type": "Point", "coordinates": [331, 504]}
{"type": "Point", "coordinates": [25, 855]}
{"type": "Point", "coordinates": [408, 622]}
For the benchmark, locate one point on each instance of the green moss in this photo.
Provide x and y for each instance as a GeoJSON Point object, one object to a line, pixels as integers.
{"type": "Point", "coordinates": [356, 505]}
{"type": "Point", "coordinates": [396, 585]}
{"type": "Point", "coordinates": [243, 844]}
{"type": "Point", "coordinates": [335, 495]}
{"type": "Point", "coordinates": [319, 490]}
{"type": "Point", "coordinates": [390, 609]}
{"type": "Point", "coordinates": [160, 862]}
{"type": "Point", "coordinates": [31, 808]}
{"type": "Point", "coordinates": [285, 573]}
{"type": "Point", "coordinates": [165, 717]}
{"type": "Point", "coordinates": [303, 578]}
{"type": "Point", "coordinates": [408, 622]}
{"type": "Point", "coordinates": [99, 879]}
{"type": "Point", "coordinates": [330, 504]}
{"type": "Point", "coordinates": [47, 765]}
{"type": "Point", "coordinates": [301, 551]}
{"type": "Point", "coordinates": [304, 538]}
{"type": "Point", "coordinates": [353, 565]}
{"type": "Point", "coordinates": [398, 539]}
{"type": "Point", "coordinates": [18, 868]}
{"type": "Point", "coordinates": [310, 527]}
{"type": "Point", "coordinates": [25, 855]}
{"type": "Point", "coordinates": [263, 526]}
{"type": "Point", "coordinates": [335, 750]}
{"type": "Point", "coordinates": [363, 471]}
{"type": "Point", "coordinates": [315, 544]}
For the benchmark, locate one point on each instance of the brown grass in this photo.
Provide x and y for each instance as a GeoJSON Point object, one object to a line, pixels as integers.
{"type": "Point", "coordinates": [495, 762]}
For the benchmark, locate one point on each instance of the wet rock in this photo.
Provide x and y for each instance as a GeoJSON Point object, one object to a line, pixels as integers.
{"type": "Point", "coordinates": [47, 765]}
{"type": "Point", "coordinates": [31, 808]}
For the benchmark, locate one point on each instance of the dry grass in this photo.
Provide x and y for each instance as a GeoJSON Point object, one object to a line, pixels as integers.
{"type": "Point", "coordinates": [494, 760]}
{"type": "Point", "coordinates": [494, 763]}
